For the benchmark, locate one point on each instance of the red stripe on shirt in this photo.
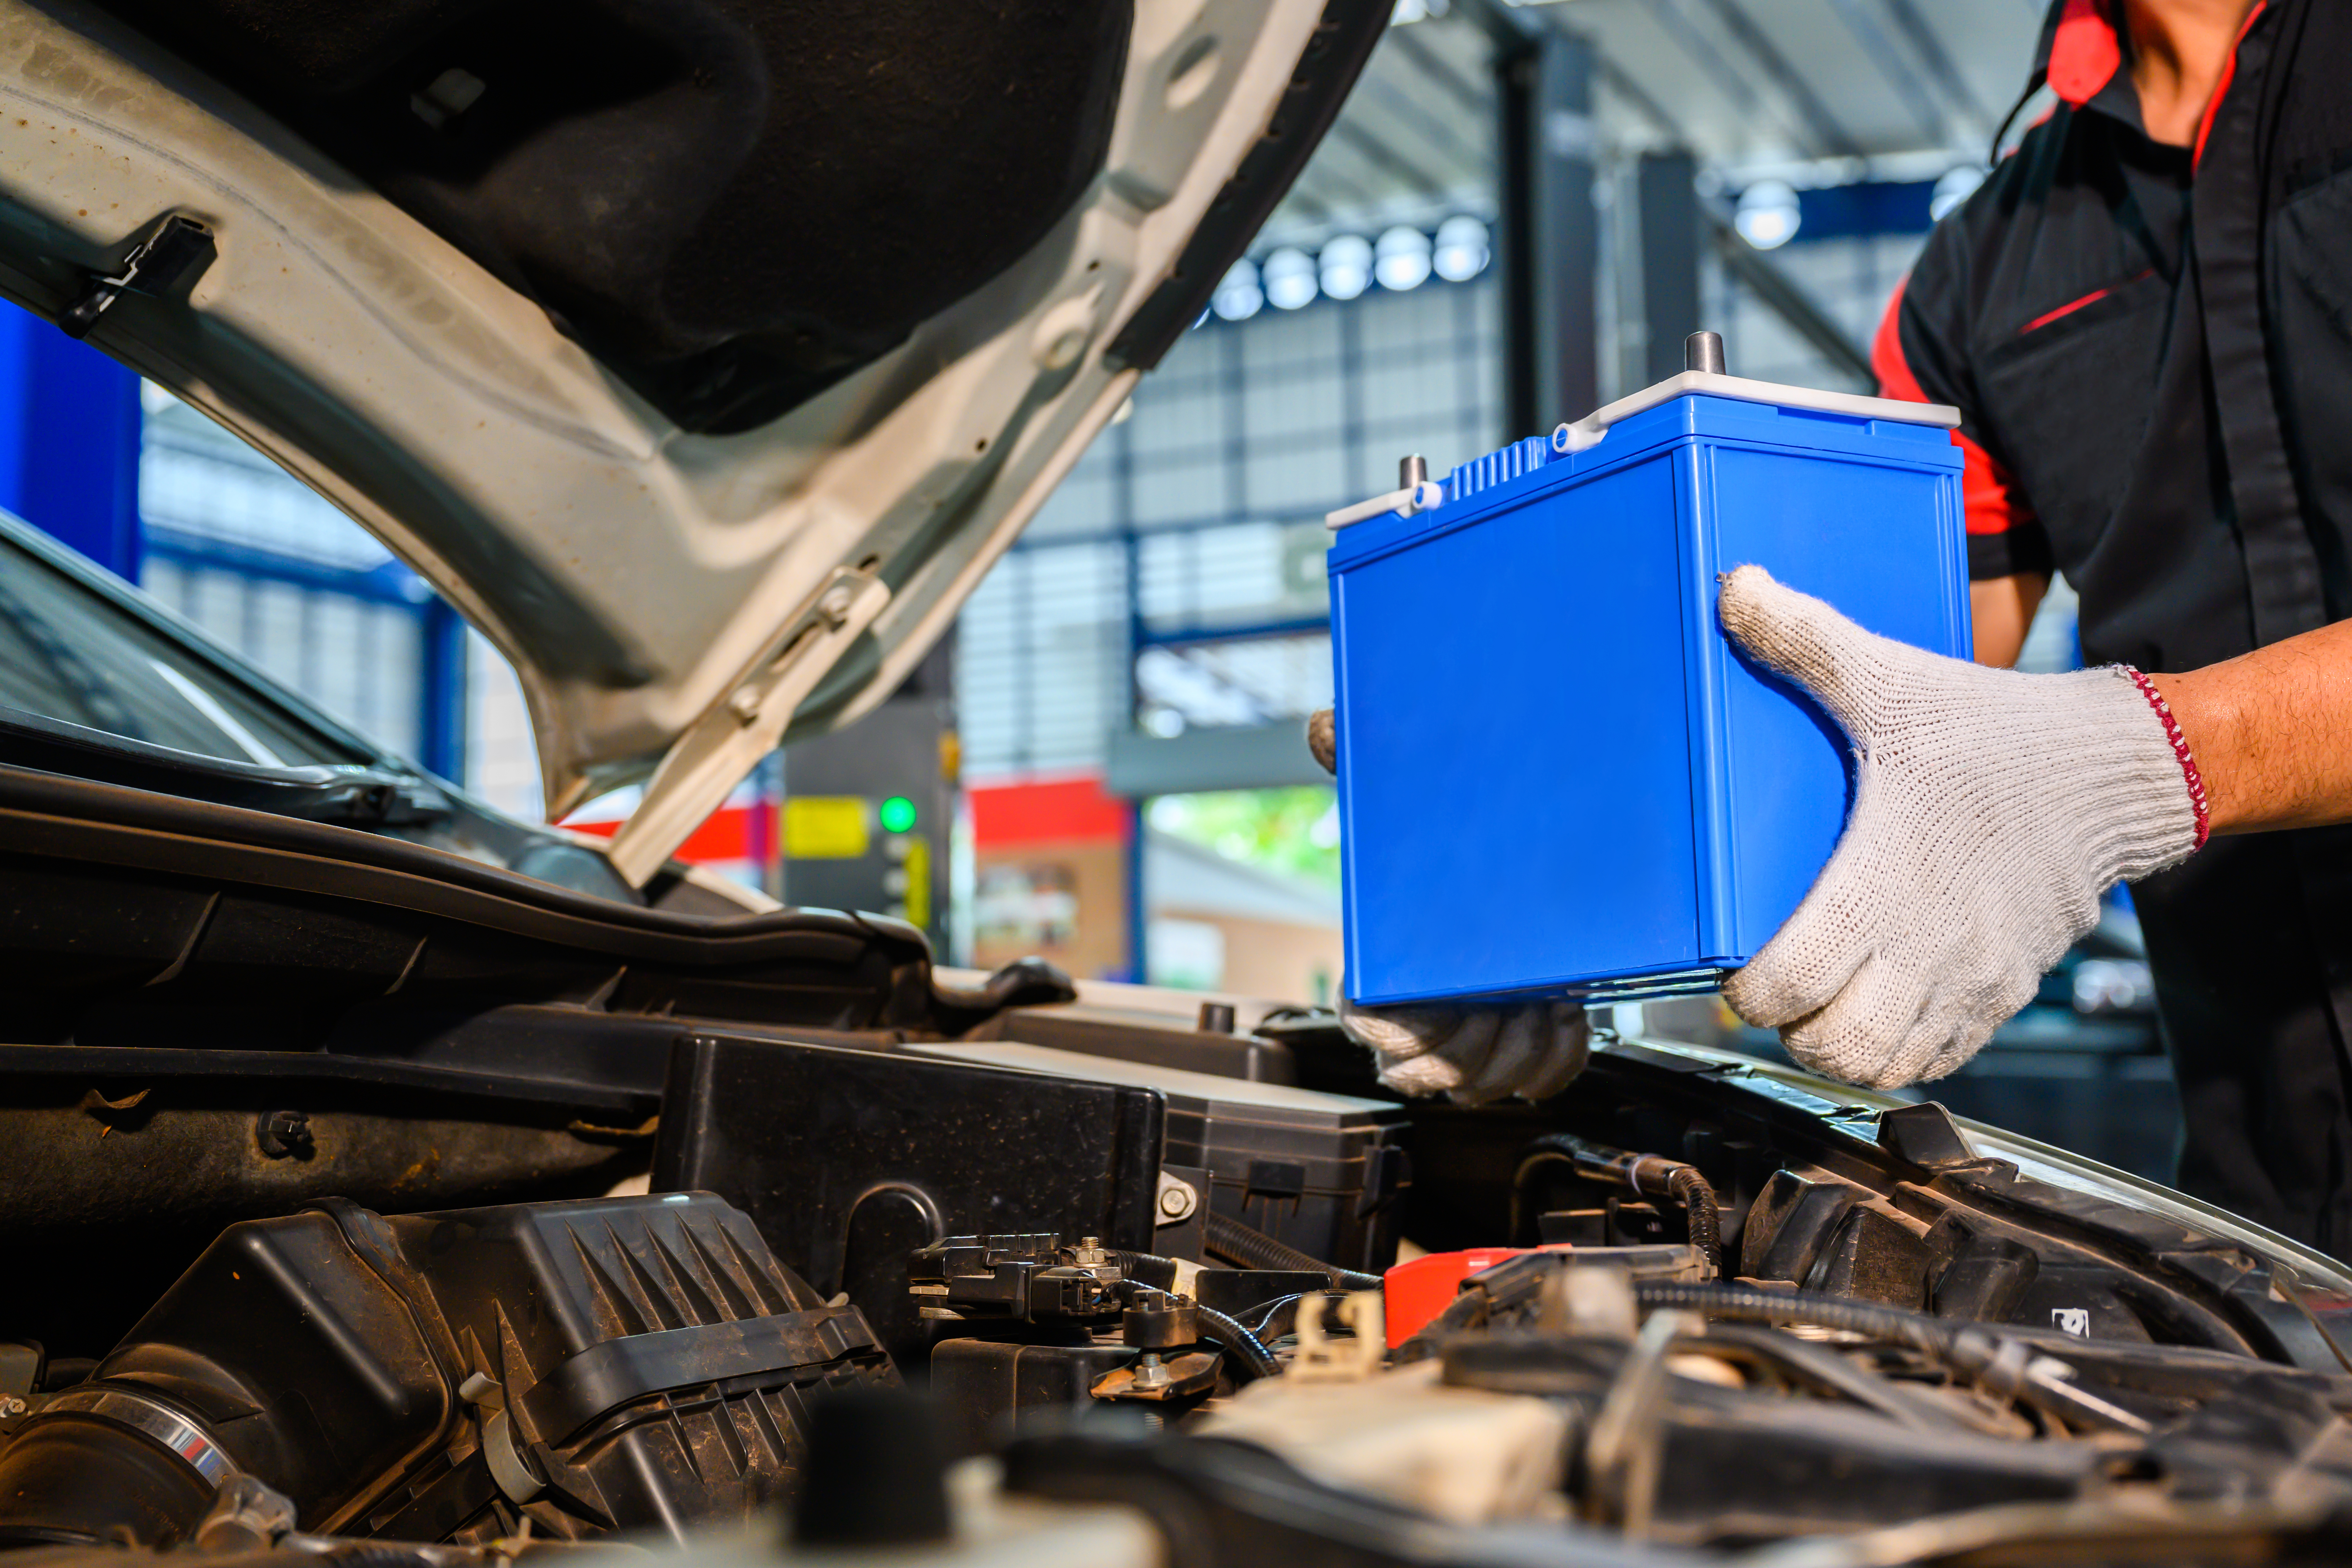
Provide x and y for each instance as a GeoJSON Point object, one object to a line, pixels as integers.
{"type": "Point", "coordinates": [1989, 499]}
{"type": "Point", "coordinates": [2068, 309]}
{"type": "Point", "coordinates": [2043, 320]}
{"type": "Point", "coordinates": [2222, 88]}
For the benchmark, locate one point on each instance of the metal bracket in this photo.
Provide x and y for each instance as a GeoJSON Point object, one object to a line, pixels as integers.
{"type": "Point", "coordinates": [1176, 1200]}
{"type": "Point", "coordinates": [725, 744]}
{"type": "Point", "coordinates": [154, 264]}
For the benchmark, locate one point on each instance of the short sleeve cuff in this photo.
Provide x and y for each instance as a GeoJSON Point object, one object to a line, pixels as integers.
{"type": "Point", "coordinates": [2024, 548]}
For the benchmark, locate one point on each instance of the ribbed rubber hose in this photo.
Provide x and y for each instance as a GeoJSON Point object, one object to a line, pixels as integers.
{"type": "Point", "coordinates": [1745, 1303]}
{"type": "Point", "coordinates": [1241, 1345]}
{"type": "Point", "coordinates": [1653, 1175]}
{"type": "Point", "coordinates": [1934, 1337]}
{"type": "Point", "coordinates": [1244, 1347]}
{"type": "Point", "coordinates": [1148, 1267]}
{"type": "Point", "coordinates": [1230, 1239]}
{"type": "Point", "coordinates": [1978, 1351]}
{"type": "Point", "coordinates": [1704, 1214]}
{"type": "Point", "coordinates": [373, 1555]}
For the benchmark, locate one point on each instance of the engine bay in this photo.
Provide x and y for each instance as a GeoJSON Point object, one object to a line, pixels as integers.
{"type": "Point", "coordinates": [1073, 1272]}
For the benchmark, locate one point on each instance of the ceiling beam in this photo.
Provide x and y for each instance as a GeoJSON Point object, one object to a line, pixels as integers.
{"type": "Point", "coordinates": [1385, 158]}
{"type": "Point", "coordinates": [1695, 40]}
{"type": "Point", "coordinates": [1909, 90]}
{"type": "Point", "coordinates": [1612, 77]}
{"type": "Point", "coordinates": [1407, 42]}
{"type": "Point", "coordinates": [1513, 31]}
{"type": "Point", "coordinates": [1946, 71]}
{"type": "Point", "coordinates": [1441, 133]}
{"type": "Point", "coordinates": [1784, 298]}
{"type": "Point", "coordinates": [1750, 40]}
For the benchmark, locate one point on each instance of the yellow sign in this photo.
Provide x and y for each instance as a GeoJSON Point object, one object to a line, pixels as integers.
{"type": "Point", "coordinates": [826, 827]}
{"type": "Point", "coordinates": [918, 881]}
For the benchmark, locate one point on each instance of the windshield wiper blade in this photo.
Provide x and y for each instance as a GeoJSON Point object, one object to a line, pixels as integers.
{"type": "Point", "coordinates": [375, 795]}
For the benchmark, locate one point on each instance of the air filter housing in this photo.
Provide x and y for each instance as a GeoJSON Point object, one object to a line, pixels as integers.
{"type": "Point", "coordinates": [634, 1363]}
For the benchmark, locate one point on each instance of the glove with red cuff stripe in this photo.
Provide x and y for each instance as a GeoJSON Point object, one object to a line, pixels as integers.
{"type": "Point", "coordinates": [1991, 809]}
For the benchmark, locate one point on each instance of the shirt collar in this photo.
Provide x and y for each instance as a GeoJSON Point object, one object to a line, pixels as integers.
{"type": "Point", "coordinates": [2083, 53]}
{"type": "Point", "coordinates": [2082, 57]}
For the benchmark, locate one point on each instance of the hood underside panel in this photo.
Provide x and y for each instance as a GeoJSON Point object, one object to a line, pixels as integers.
{"type": "Point", "coordinates": [705, 355]}
{"type": "Point", "coordinates": [734, 203]}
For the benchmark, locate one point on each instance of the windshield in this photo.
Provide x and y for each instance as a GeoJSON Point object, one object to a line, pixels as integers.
{"type": "Point", "coordinates": [67, 653]}
{"type": "Point", "coordinates": [98, 684]}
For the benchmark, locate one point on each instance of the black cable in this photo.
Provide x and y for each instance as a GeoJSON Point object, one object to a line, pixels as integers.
{"type": "Point", "coordinates": [1260, 1320]}
{"type": "Point", "coordinates": [1976, 1351]}
{"type": "Point", "coordinates": [1992, 153]}
{"type": "Point", "coordinates": [1245, 1349]}
{"type": "Point", "coordinates": [1653, 1175]}
{"type": "Point", "coordinates": [1148, 1267]}
{"type": "Point", "coordinates": [1280, 1316]}
{"type": "Point", "coordinates": [1465, 1311]}
{"type": "Point", "coordinates": [1234, 1242]}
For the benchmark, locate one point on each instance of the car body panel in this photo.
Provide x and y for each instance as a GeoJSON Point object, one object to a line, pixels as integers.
{"type": "Point", "coordinates": [675, 604]}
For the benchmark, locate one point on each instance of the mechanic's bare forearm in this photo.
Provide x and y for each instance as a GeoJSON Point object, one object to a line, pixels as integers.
{"type": "Point", "coordinates": [2002, 609]}
{"type": "Point", "coordinates": [2271, 731]}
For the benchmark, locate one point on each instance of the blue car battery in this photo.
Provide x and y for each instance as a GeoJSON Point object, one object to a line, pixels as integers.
{"type": "Point", "coordinates": [1558, 776]}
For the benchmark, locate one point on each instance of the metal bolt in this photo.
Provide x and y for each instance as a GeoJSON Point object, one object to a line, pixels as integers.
{"type": "Point", "coordinates": [1411, 471]}
{"type": "Point", "coordinates": [1177, 1199]}
{"type": "Point", "coordinates": [1149, 1372]}
{"type": "Point", "coordinates": [12, 1406]}
{"type": "Point", "coordinates": [1216, 1017]}
{"type": "Point", "coordinates": [1704, 351]}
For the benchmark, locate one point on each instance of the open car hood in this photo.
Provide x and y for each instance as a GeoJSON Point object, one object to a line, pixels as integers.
{"type": "Point", "coordinates": [707, 380]}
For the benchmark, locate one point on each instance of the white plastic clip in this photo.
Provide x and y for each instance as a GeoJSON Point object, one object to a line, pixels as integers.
{"type": "Point", "coordinates": [1410, 501]}
{"type": "Point", "coordinates": [1581, 437]}
{"type": "Point", "coordinates": [1321, 1359]}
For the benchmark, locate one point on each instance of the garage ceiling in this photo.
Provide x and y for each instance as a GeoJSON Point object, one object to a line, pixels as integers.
{"type": "Point", "coordinates": [1852, 88]}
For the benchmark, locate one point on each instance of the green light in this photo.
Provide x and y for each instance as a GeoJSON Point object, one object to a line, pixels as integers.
{"type": "Point", "coordinates": [898, 814]}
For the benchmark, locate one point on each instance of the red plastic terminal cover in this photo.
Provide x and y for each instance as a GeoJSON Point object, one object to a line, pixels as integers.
{"type": "Point", "coordinates": [1414, 1293]}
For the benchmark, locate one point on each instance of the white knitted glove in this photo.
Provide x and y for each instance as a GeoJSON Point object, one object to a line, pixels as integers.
{"type": "Point", "coordinates": [1470, 1054]}
{"type": "Point", "coordinates": [1991, 810]}
{"type": "Point", "coordinates": [1473, 1054]}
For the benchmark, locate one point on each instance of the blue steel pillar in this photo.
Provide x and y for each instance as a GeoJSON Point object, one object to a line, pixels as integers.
{"type": "Point", "coordinates": [1548, 253]}
{"type": "Point", "coordinates": [70, 441]}
{"type": "Point", "coordinates": [441, 722]}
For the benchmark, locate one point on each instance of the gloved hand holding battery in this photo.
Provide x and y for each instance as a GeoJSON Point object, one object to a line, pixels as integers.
{"type": "Point", "coordinates": [1470, 1054]}
{"type": "Point", "coordinates": [1991, 810]}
